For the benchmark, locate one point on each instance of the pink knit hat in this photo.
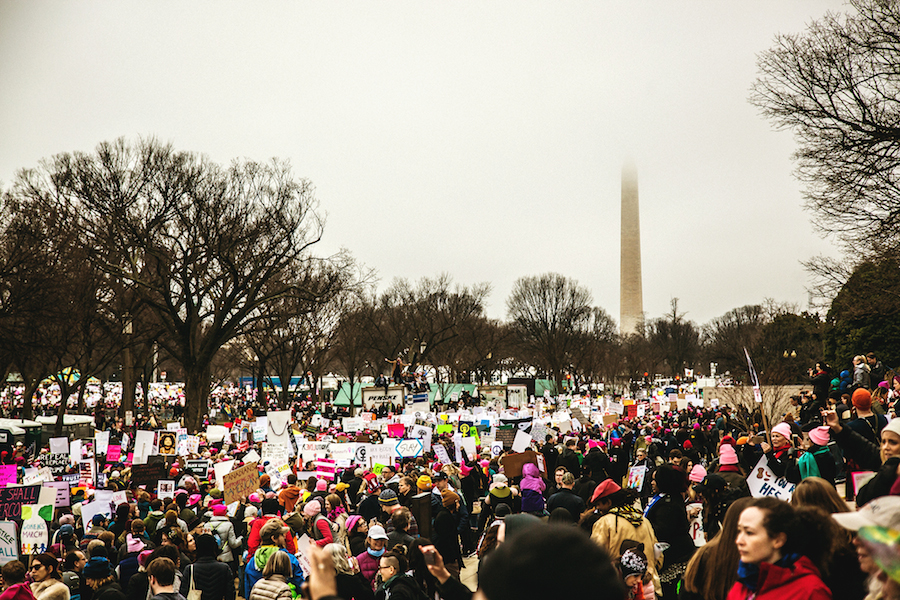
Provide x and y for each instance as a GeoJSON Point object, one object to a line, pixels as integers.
{"type": "Point", "coordinates": [312, 508]}
{"type": "Point", "coordinates": [727, 455]}
{"type": "Point", "coordinates": [321, 485]}
{"type": "Point", "coordinates": [784, 429]}
{"type": "Point", "coordinates": [219, 510]}
{"type": "Point", "coordinates": [697, 474]}
{"type": "Point", "coordinates": [820, 436]}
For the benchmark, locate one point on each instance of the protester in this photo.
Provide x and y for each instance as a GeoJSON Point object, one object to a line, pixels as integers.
{"type": "Point", "coordinates": [14, 585]}
{"type": "Point", "coordinates": [46, 579]}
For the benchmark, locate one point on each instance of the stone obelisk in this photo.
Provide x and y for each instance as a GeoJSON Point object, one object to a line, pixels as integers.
{"type": "Point", "coordinates": [631, 299]}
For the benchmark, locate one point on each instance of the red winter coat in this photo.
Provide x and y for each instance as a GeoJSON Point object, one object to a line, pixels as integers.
{"type": "Point", "coordinates": [19, 591]}
{"type": "Point", "coordinates": [801, 580]}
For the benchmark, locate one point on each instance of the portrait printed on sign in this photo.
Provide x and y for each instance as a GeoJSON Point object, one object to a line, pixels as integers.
{"type": "Point", "coordinates": [166, 442]}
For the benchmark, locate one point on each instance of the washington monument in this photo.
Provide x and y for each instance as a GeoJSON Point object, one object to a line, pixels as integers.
{"type": "Point", "coordinates": [631, 299]}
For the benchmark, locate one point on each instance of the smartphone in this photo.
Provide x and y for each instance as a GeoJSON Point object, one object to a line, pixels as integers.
{"type": "Point", "coordinates": [429, 557]}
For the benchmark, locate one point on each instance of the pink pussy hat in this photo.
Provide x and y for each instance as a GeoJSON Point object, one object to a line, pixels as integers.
{"type": "Point", "coordinates": [697, 474]}
{"type": "Point", "coordinates": [727, 455]}
{"type": "Point", "coordinates": [820, 436]}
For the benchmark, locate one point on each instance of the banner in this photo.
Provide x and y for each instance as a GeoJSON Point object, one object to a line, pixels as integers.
{"type": "Point", "coordinates": [240, 482]}
{"type": "Point", "coordinates": [34, 536]}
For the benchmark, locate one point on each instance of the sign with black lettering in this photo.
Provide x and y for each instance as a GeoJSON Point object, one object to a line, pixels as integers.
{"type": "Point", "coordinates": [13, 498]}
{"type": "Point", "coordinates": [148, 474]}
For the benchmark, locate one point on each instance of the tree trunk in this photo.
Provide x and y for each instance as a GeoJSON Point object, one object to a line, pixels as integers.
{"type": "Point", "coordinates": [196, 396]}
{"type": "Point", "coordinates": [127, 383]}
{"type": "Point", "coordinates": [260, 375]}
{"type": "Point", "coordinates": [64, 394]}
{"type": "Point", "coordinates": [28, 400]}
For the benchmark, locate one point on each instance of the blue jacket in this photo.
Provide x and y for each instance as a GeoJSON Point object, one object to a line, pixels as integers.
{"type": "Point", "coordinates": [253, 572]}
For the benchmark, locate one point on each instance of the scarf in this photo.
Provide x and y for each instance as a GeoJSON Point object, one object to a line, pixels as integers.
{"type": "Point", "coordinates": [335, 512]}
{"type": "Point", "coordinates": [808, 465]}
{"type": "Point", "coordinates": [748, 573]}
{"type": "Point", "coordinates": [629, 513]}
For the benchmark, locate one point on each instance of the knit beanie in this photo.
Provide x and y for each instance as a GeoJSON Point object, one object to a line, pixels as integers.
{"type": "Point", "coordinates": [697, 474]}
{"type": "Point", "coordinates": [727, 455]}
{"type": "Point", "coordinates": [862, 399]}
{"type": "Point", "coordinates": [820, 436]}
{"type": "Point", "coordinates": [449, 498]}
{"type": "Point", "coordinates": [633, 562]}
{"type": "Point", "coordinates": [784, 429]}
{"type": "Point", "coordinates": [312, 508]}
{"type": "Point", "coordinates": [424, 483]}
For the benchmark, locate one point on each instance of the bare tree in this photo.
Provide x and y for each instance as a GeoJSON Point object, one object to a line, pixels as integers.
{"type": "Point", "coordinates": [548, 312]}
{"type": "Point", "coordinates": [835, 86]}
{"type": "Point", "coordinates": [199, 244]}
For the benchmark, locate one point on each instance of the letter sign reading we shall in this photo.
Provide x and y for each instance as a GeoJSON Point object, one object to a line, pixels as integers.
{"type": "Point", "coordinates": [12, 500]}
{"type": "Point", "coordinates": [241, 482]}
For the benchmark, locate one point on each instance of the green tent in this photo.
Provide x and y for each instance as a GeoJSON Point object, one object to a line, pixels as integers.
{"type": "Point", "coordinates": [447, 389]}
{"type": "Point", "coordinates": [542, 385]}
{"type": "Point", "coordinates": [343, 395]}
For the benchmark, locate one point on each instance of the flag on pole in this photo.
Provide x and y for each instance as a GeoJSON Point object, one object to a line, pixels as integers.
{"type": "Point", "coordinates": [754, 379]}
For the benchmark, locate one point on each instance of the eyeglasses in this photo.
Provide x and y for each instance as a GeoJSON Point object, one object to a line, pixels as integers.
{"type": "Point", "coordinates": [388, 567]}
{"type": "Point", "coordinates": [36, 567]}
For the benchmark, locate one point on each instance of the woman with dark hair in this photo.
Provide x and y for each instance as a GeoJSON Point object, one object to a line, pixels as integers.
{"type": "Point", "coordinates": [783, 551]}
{"type": "Point", "coordinates": [418, 567]}
{"type": "Point", "coordinates": [667, 513]}
{"type": "Point", "coordinates": [712, 570]}
{"type": "Point", "coordinates": [843, 576]}
{"type": "Point", "coordinates": [99, 576]}
{"type": "Point", "coordinates": [47, 583]}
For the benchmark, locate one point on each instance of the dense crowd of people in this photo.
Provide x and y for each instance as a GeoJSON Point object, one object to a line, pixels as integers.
{"type": "Point", "coordinates": [656, 506]}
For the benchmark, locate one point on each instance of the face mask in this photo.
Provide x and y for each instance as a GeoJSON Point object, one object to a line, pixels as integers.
{"type": "Point", "coordinates": [376, 553]}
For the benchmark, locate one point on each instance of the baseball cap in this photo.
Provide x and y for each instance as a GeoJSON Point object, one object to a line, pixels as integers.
{"type": "Point", "coordinates": [377, 533]}
{"type": "Point", "coordinates": [882, 512]}
{"type": "Point", "coordinates": [711, 482]}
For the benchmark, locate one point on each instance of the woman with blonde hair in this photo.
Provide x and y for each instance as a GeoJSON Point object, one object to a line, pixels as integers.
{"type": "Point", "coordinates": [274, 583]}
{"type": "Point", "coordinates": [350, 583]}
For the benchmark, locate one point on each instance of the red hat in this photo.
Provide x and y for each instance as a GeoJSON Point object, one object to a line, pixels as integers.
{"type": "Point", "coordinates": [604, 489]}
{"type": "Point", "coordinates": [688, 445]}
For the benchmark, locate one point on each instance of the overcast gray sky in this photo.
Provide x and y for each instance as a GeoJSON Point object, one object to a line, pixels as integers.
{"type": "Point", "coordinates": [482, 139]}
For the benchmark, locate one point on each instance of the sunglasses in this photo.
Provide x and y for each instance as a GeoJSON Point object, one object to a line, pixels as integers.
{"type": "Point", "coordinates": [36, 567]}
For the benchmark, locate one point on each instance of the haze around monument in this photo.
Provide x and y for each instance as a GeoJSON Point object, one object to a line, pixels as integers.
{"type": "Point", "coordinates": [485, 141]}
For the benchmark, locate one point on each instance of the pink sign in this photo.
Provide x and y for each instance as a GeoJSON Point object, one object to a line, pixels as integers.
{"type": "Point", "coordinates": [395, 430]}
{"type": "Point", "coordinates": [113, 453]}
{"type": "Point", "coordinates": [7, 474]}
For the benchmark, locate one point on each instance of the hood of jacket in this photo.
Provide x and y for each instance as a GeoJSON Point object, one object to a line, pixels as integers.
{"type": "Point", "coordinates": [262, 555]}
{"type": "Point", "coordinates": [531, 478]}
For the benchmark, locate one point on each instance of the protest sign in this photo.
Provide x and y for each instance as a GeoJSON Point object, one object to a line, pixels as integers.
{"type": "Point", "coordinates": [165, 489]}
{"type": "Point", "coordinates": [7, 475]}
{"type": "Point", "coordinates": [441, 454]}
{"type": "Point", "coordinates": [216, 433]}
{"type": "Point", "coordinates": [636, 477]}
{"type": "Point", "coordinates": [861, 478]}
{"type": "Point", "coordinates": [34, 536]}
{"type": "Point", "coordinates": [199, 467]}
{"type": "Point", "coordinates": [241, 482]}
{"type": "Point", "coordinates": [521, 442]}
{"type": "Point", "coordinates": [221, 469]}
{"type": "Point", "coordinates": [101, 442]}
{"type": "Point", "coordinates": [144, 474]}
{"type": "Point", "coordinates": [506, 435]}
{"type": "Point", "coordinates": [513, 463]}
{"type": "Point", "coordinates": [97, 507]}
{"type": "Point", "coordinates": [113, 453]}
{"type": "Point", "coordinates": [13, 498]}
{"type": "Point", "coordinates": [380, 454]}
{"type": "Point", "coordinates": [763, 482]}
{"type": "Point", "coordinates": [580, 416]}
{"type": "Point", "coordinates": [496, 448]}
{"type": "Point", "coordinates": [88, 471]}
{"type": "Point", "coordinates": [75, 451]}
{"type": "Point", "coordinates": [609, 420]}
{"type": "Point", "coordinates": [119, 498]}
{"type": "Point", "coordinates": [37, 511]}
{"type": "Point", "coordinates": [696, 525]}
{"type": "Point", "coordinates": [326, 469]}
{"type": "Point", "coordinates": [143, 446]}
{"type": "Point", "coordinates": [9, 547]}
{"type": "Point", "coordinates": [59, 445]}
{"type": "Point", "coordinates": [410, 448]}
{"type": "Point", "coordinates": [252, 456]}
{"type": "Point", "coordinates": [63, 496]}
{"type": "Point", "coordinates": [39, 476]}
{"type": "Point", "coordinates": [616, 407]}
{"type": "Point", "coordinates": [469, 446]}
